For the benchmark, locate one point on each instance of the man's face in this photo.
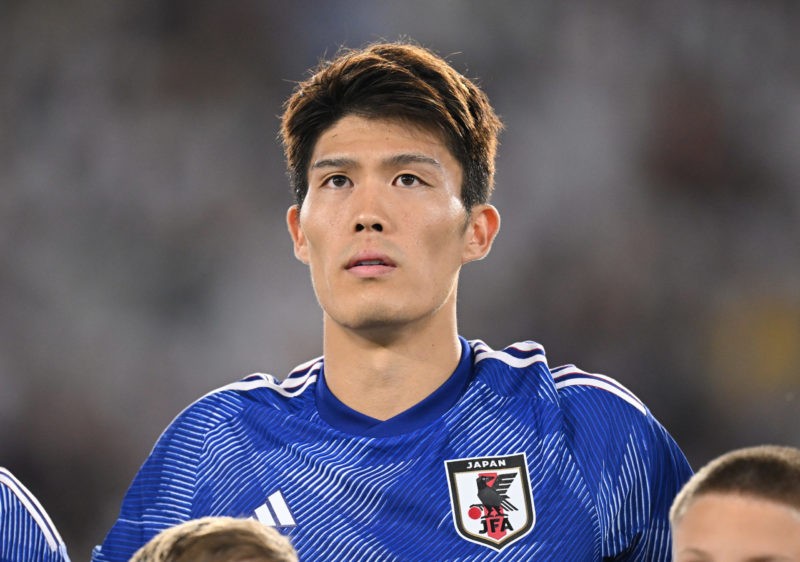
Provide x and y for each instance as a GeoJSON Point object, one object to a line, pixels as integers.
{"type": "Point", "coordinates": [735, 528]}
{"type": "Point", "coordinates": [382, 227]}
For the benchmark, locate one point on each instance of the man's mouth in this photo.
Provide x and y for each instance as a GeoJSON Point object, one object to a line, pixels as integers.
{"type": "Point", "coordinates": [370, 266]}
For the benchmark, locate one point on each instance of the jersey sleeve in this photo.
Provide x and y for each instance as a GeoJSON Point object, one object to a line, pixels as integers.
{"type": "Point", "coordinates": [162, 492]}
{"type": "Point", "coordinates": [631, 462]}
{"type": "Point", "coordinates": [652, 472]}
{"type": "Point", "coordinates": [26, 531]}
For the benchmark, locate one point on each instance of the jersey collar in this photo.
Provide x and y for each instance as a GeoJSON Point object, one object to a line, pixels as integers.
{"type": "Point", "coordinates": [342, 417]}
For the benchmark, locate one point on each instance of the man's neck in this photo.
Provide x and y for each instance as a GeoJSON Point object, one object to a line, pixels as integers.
{"type": "Point", "coordinates": [382, 375]}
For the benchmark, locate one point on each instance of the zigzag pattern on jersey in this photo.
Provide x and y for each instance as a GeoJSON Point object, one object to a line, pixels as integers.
{"type": "Point", "coordinates": [625, 484]}
{"type": "Point", "coordinates": [569, 375]}
{"type": "Point", "coordinates": [384, 499]}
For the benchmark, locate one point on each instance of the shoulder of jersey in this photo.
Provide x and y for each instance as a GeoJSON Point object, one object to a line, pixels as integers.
{"type": "Point", "coordinates": [301, 377]}
{"type": "Point", "coordinates": [262, 388]}
{"type": "Point", "coordinates": [572, 381]}
{"type": "Point", "coordinates": [518, 355]}
{"type": "Point", "coordinates": [519, 370]}
{"type": "Point", "coordinates": [567, 381]}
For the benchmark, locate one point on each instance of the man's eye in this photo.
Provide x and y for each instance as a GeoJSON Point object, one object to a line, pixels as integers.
{"type": "Point", "coordinates": [337, 181]}
{"type": "Point", "coordinates": [408, 180]}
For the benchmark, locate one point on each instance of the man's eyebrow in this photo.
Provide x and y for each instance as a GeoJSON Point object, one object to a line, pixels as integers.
{"type": "Point", "coordinates": [403, 159]}
{"type": "Point", "coordinates": [342, 162]}
{"type": "Point", "coordinates": [396, 160]}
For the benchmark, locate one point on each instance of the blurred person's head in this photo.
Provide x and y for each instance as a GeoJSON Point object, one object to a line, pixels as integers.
{"type": "Point", "coordinates": [399, 82]}
{"type": "Point", "coordinates": [217, 539]}
{"type": "Point", "coordinates": [743, 506]}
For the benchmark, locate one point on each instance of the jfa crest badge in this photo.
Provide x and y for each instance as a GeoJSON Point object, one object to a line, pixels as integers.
{"type": "Point", "coordinates": [491, 499]}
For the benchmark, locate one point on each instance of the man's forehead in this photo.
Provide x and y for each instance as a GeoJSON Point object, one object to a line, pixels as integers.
{"type": "Point", "coordinates": [393, 141]}
{"type": "Point", "coordinates": [353, 124]}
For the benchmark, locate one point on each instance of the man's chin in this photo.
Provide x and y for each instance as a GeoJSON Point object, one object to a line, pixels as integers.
{"type": "Point", "coordinates": [377, 323]}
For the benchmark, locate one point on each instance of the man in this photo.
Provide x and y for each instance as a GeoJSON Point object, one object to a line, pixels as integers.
{"type": "Point", "coordinates": [741, 507]}
{"type": "Point", "coordinates": [217, 539]}
{"type": "Point", "coordinates": [407, 442]}
{"type": "Point", "coordinates": [26, 531]}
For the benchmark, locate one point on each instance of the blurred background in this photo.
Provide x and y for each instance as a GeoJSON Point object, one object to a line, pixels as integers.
{"type": "Point", "coordinates": [648, 178]}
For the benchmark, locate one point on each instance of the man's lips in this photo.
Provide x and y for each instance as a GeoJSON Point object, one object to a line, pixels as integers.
{"type": "Point", "coordinates": [370, 265]}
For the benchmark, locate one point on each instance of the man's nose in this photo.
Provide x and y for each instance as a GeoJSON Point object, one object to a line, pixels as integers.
{"type": "Point", "coordinates": [376, 226]}
{"type": "Point", "coordinates": [370, 212]}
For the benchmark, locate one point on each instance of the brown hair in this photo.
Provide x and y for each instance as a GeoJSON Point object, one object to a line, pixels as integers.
{"type": "Point", "coordinates": [395, 81]}
{"type": "Point", "coordinates": [769, 472]}
{"type": "Point", "coordinates": [217, 539]}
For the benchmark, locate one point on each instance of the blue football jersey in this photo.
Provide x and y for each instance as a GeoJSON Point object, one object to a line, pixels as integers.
{"type": "Point", "coordinates": [26, 532]}
{"type": "Point", "coordinates": [507, 460]}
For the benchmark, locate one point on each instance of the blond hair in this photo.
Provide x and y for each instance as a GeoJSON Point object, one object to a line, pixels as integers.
{"type": "Point", "coordinates": [217, 539]}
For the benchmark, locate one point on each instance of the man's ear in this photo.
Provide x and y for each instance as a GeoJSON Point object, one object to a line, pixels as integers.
{"type": "Point", "coordinates": [298, 238]}
{"type": "Point", "coordinates": [482, 227]}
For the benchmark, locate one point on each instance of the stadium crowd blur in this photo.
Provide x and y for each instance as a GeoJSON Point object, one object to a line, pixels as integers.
{"type": "Point", "coordinates": [648, 178]}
